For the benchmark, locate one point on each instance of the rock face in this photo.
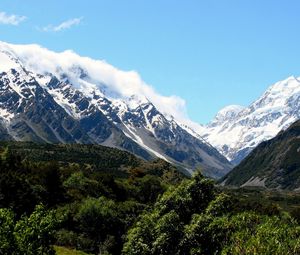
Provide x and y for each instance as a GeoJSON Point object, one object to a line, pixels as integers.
{"type": "Point", "coordinates": [236, 130]}
{"type": "Point", "coordinates": [273, 164]}
{"type": "Point", "coordinates": [67, 101]}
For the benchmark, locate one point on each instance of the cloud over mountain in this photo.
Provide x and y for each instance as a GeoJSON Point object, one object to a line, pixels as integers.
{"type": "Point", "coordinates": [118, 83]}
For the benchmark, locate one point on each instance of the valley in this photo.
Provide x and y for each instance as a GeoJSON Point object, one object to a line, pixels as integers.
{"type": "Point", "coordinates": [87, 168]}
{"type": "Point", "coordinates": [149, 127]}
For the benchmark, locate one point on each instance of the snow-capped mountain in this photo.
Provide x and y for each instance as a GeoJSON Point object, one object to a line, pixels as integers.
{"type": "Point", "coordinates": [64, 98]}
{"type": "Point", "coordinates": [236, 130]}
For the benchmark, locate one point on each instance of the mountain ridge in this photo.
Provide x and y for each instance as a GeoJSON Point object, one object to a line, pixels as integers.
{"type": "Point", "coordinates": [236, 132]}
{"type": "Point", "coordinates": [70, 105]}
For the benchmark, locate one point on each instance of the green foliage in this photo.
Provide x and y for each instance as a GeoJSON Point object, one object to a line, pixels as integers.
{"type": "Point", "coordinates": [15, 190]}
{"type": "Point", "coordinates": [193, 219]}
{"type": "Point", "coordinates": [268, 202]}
{"type": "Point", "coordinates": [222, 204]}
{"type": "Point", "coordinates": [128, 212]}
{"type": "Point", "coordinates": [140, 237]}
{"type": "Point", "coordinates": [79, 186]}
{"type": "Point", "coordinates": [194, 239]}
{"type": "Point", "coordinates": [167, 232]}
{"type": "Point", "coordinates": [159, 230]}
{"type": "Point", "coordinates": [97, 217]}
{"type": "Point", "coordinates": [31, 235]}
{"type": "Point", "coordinates": [97, 192]}
{"type": "Point", "coordinates": [271, 236]}
{"type": "Point", "coordinates": [34, 234]}
{"type": "Point", "coordinates": [189, 197]}
{"type": "Point", "coordinates": [47, 177]}
{"type": "Point", "coordinates": [67, 238]}
{"type": "Point", "coordinates": [108, 202]}
{"type": "Point", "coordinates": [7, 239]}
{"type": "Point", "coordinates": [146, 188]}
{"type": "Point", "coordinates": [295, 213]}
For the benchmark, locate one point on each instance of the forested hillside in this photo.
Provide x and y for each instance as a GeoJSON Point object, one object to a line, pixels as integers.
{"type": "Point", "coordinates": [98, 200]}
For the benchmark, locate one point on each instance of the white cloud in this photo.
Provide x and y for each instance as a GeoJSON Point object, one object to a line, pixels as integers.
{"type": "Point", "coordinates": [118, 84]}
{"type": "Point", "coordinates": [11, 19]}
{"type": "Point", "coordinates": [63, 26]}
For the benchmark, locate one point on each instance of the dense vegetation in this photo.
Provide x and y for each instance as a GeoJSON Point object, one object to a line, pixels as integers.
{"type": "Point", "coordinates": [195, 219]}
{"type": "Point", "coordinates": [263, 199]}
{"type": "Point", "coordinates": [95, 193]}
{"type": "Point", "coordinates": [115, 203]}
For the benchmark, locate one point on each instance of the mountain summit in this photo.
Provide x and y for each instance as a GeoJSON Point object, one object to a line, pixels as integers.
{"type": "Point", "coordinates": [64, 98]}
{"type": "Point", "coordinates": [235, 131]}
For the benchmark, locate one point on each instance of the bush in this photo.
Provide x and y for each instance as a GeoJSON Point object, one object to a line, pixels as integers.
{"type": "Point", "coordinates": [7, 239]}
{"type": "Point", "coordinates": [192, 219]}
{"type": "Point", "coordinates": [33, 235]}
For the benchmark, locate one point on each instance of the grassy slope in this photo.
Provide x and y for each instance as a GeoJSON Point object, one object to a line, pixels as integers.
{"type": "Point", "coordinates": [65, 251]}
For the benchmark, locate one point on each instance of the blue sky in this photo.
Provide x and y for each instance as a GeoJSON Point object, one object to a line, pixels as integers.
{"type": "Point", "coordinates": [210, 53]}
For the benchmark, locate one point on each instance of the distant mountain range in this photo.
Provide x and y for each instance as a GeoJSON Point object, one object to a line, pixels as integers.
{"type": "Point", "coordinates": [237, 130]}
{"type": "Point", "coordinates": [273, 164]}
{"type": "Point", "coordinates": [72, 99]}
{"type": "Point", "coordinates": [65, 98]}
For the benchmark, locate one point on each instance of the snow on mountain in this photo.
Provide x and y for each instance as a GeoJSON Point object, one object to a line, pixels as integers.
{"type": "Point", "coordinates": [90, 91]}
{"type": "Point", "coordinates": [6, 62]}
{"type": "Point", "coordinates": [227, 113]}
{"type": "Point", "coordinates": [62, 97]}
{"type": "Point", "coordinates": [88, 75]}
{"type": "Point", "coordinates": [236, 130]}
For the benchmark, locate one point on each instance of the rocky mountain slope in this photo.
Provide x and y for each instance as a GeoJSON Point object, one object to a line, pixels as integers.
{"type": "Point", "coordinates": [237, 130]}
{"type": "Point", "coordinates": [64, 98]}
{"type": "Point", "coordinates": [273, 164]}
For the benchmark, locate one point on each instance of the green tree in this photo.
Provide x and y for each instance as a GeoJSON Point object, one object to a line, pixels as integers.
{"type": "Point", "coordinates": [7, 239]}
{"type": "Point", "coordinates": [147, 188]}
{"type": "Point", "coordinates": [167, 231]}
{"type": "Point", "coordinates": [79, 186]}
{"type": "Point", "coordinates": [16, 192]}
{"type": "Point", "coordinates": [161, 230]}
{"type": "Point", "coordinates": [191, 196]}
{"type": "Point", "coordinates": [193, 219]}
{"type": "Point", "coordinates": [31, 235]}
{"type": "Point", "coordinates": [35, 234]}
{"type": "Point", "coordinates": [98, 219]}
{"type": "Point", "coordinates": [141, 236]}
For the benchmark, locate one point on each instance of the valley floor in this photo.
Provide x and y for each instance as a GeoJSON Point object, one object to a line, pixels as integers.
{"type": "Point", "coordinates": [288, 201]}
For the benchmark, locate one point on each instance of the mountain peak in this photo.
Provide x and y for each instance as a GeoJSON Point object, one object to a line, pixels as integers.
{"type": "Point", "coordinates": [288, 85]}
{"type": "Point", "coordinates": [227, 113]}
{"type": "Point", "coordinates": [66, 98]}
{"type": "Point", "coordinates": [230, 110]}
{"type": "Point", "coordinates": [89, 74]}
{"type": "Point", "coordinates": [235, 131]}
